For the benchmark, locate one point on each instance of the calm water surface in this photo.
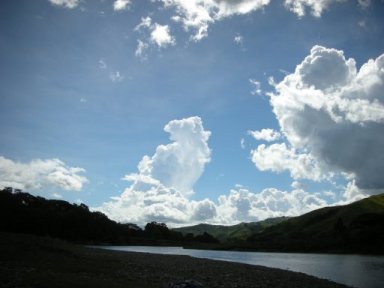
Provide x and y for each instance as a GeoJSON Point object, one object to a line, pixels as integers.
{"type": "Point", "coordinates": [352, 270]}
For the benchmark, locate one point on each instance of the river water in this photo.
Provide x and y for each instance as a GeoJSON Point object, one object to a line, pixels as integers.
{"type": "Point", "coordinates": [352, 270]}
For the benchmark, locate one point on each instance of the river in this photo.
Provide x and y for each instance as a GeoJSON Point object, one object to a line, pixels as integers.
{"type": "Point", "coordinates": [353, 270]}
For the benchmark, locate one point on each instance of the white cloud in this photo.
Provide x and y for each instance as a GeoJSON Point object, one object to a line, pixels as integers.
{"type": "Point", "coordinates": [57, 196]}
{"type": "Point", "coordinates": [268, 135]}
{"type": "Point", "coordinates": [116, 76]}
{"type": "Point", "coordinates": [40, 174]}
{"type": "Point", "coordinates": [65, 3]}
{"type": "Point", "coordinates": [364, 3]}
{"type": "Point", "coordinates": [119, 5]}
{"type": "Point", "coordinates": [141, 48]}
{"type": "Point", "coordinates": [180, 163]}
{"type": "Point", "coordinates": [243, 205]}
{"type": "Point", "coordinates": [333, 114]}
{"type": "Point", "coordinates": [316, 6]}
{"type": "Point", "coordinates": [161, 35]}
{"type": "Point", "coordinates": [146, 22]}
{"type": "Point", "coordinates": [198, 14]}
{"type": "Point", "coordinates": [242, 143]}
{"type": "Point", "coordinates": [256, 87]}
{"type": "Point", "coordinates": [238, 39]}
{"type": "Point", "coordinates": [102, 64]}
{"type": "Point", "coordinates": [203, 210]}
{"type": "Point", "coordinates": [160, 189]}
{"type": "Point", "coordinates": [278, 158]}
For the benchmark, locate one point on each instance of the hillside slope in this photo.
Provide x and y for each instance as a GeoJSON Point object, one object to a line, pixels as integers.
{"type": "Point", "coordinates": [232, 233]}
{"type": "Point", "coordinates": [357, 227]}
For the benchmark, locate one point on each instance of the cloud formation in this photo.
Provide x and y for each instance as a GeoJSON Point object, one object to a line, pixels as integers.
{"type": "Point", "coordinates": [332, 116]}
{"type": "Point", "coordinates": [116, 76]}
{"type": "Point", "coordinates": [155, 34]}
{"type": "Point", "coordinates": [243, 205]}
{"type": "Point", "coordinates": [179, 164]}
{"type": "Point", "coordinates": [160, 189]}
{"type": "Point", "coordinates": [40, 174]}
{"type": "Point", "coordinates": [316, 7]}
{"type": "Point", "coordinates": [161, 36]}
{"type": "Point", "coordinates": [119, 5]}
{"type": "Point", "coordinates": [268, 135]}
{"type": "Point", "coordinates": [70, 4]}
{"type": "Point", "coordinates": [196, 15]}
{"type": "Point", "coordinates": [278, 158]}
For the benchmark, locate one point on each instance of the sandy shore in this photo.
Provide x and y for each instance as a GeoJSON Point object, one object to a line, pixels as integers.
{"type": "Point", "coordinates": [28, 261]}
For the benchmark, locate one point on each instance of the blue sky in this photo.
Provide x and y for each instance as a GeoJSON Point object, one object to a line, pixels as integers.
{"type": "Point", "coordinates": [88, 88]}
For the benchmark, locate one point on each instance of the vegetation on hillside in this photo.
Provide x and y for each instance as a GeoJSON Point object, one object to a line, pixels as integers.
{"type": "Point", "coordinates": [233, 233]}
{"type": "Point", "coordinates": [21, 212]}
{"type": "Point", "coordinates": [353, 228]}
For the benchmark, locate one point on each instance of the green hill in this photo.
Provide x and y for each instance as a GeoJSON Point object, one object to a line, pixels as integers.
{"type": "Point", "coordinates": [232, 233]}
{"type": "Point", "coordinates": [357, 227]}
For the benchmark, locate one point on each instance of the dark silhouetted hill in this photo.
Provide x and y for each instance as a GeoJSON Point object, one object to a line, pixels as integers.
{"type": "Point", "coordinates": [354, 228]}
{"type": "Point", "coordinates": [21, 212]}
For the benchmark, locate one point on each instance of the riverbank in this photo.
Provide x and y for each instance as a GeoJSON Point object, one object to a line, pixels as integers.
{"type": "Point", "coordinates": [30, 261]}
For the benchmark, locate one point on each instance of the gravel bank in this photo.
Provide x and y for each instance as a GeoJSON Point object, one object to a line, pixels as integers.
{"type": "Point", "coordinates": [28, 261]}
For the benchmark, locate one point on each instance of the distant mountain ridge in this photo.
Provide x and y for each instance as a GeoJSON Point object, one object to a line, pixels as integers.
{"type": "Point", "coordinates": [238, 232]}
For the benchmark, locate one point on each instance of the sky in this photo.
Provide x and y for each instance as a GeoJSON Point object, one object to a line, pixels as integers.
{"type": "Point", "coordinates": [191, 111]}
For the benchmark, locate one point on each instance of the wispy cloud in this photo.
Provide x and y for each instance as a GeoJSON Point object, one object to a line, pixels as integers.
{"type": "Point", "coordinates": [116, 76]}
{"type": "Point", "coordinates": [238, 39]}
{"type": "Point", "coordinates": [141, 49]}
{"type": "Point", "coordinates": [268, 135]}
{"type": "Point", "coordinates": [256, 87]}
{"type": "Point", "coordinates": [102, 64]}
{"type": "Point", "coordinates": [316, 8]}
{"type": "Point", "coordinates": [70, 4]}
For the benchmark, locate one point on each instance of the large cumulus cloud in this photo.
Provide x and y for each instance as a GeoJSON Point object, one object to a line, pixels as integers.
{"type": "Point", "coordinates": [334, 113]}
{"type": "Point", "coordinates": [179, 164]}
{"type": "Point", "coordinates": [163, 184]}
{"type": "Point", "coordinates": [161, 188]}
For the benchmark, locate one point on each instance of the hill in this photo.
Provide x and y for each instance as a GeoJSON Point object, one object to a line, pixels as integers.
{"type": "Point", "coordinates": [238, 232]}
{"type": "Point", "coordinates": [354, 228]}
{"type": "Point", "coordinates": [21, 212]}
